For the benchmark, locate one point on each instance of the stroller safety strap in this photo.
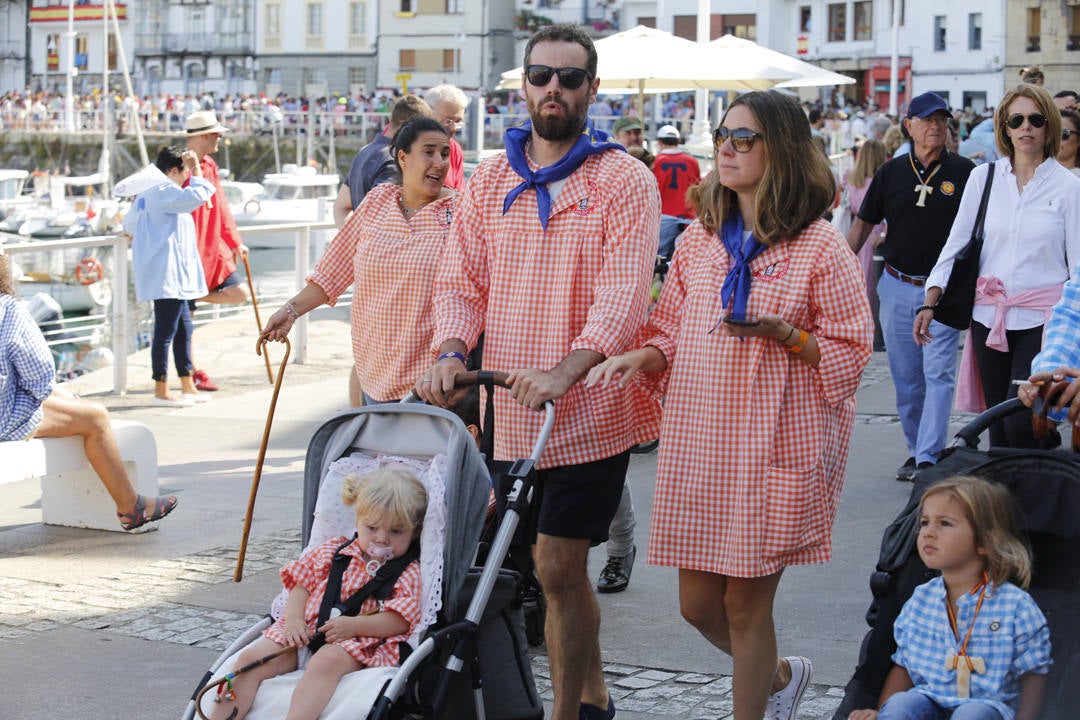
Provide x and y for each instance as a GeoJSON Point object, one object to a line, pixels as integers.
{"type": "Point", "coordinates": [378, 587]}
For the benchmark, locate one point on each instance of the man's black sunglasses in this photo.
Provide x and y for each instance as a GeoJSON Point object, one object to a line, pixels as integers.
{"type": "Point", "coordinates": [570, 78]}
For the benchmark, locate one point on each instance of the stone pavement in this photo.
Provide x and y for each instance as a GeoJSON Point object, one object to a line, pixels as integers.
{"type": "Point", "coordinates": [81, 611]}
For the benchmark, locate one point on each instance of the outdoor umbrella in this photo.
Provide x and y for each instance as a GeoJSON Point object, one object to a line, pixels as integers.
{"type": "Point", "coordinates": [804, 74]}
{"type": "Point", "coordinates": [645, 60]}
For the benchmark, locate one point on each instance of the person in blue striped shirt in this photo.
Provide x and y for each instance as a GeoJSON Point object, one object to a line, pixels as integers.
{"type": "Point", "coordinates": [1059, 358]}
{"type": "Point", "coordinates": [970, 644]}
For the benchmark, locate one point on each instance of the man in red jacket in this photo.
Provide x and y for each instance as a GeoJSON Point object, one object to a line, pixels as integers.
{"type": "Point", "coordinates": [215, 230]}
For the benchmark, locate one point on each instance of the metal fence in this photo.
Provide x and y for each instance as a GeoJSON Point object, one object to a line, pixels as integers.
{"type": "Point", "coordinates": [125, 326]}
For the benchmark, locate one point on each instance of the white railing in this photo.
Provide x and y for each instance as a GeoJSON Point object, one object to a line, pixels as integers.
{"type": "Point", "coordinates": [117, 319]}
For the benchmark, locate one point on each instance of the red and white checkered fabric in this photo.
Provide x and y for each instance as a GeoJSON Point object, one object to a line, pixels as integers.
{"type": "Point", "coordinates": [391, 264]}
{"type": "Point", "coordinates": [538, 295]}
{"type": "Point", "coordinates": [755, 441]}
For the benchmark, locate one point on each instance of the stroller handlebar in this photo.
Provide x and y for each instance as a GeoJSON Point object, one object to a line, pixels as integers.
{"type": "Point", "coordinates": [497, 377]}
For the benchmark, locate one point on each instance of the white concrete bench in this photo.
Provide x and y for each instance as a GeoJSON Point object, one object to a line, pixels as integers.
{"type": "Point", "coordinates": [71, 492]}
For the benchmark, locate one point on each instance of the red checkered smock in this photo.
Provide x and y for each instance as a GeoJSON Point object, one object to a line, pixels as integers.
{"type": "Point", "coordinates": [755, 441]}
{"type": "Point", "coordinates": [391, 263]}
{"type": "Point", "coordinates": [582, 284]}
{"type": "Point", "coordinates": [312, 571]}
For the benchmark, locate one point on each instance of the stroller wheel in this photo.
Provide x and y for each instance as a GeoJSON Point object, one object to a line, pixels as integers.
{"type": "Point", "coordinates": [535, 611]}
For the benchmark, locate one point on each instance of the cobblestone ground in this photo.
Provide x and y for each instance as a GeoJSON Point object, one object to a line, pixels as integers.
{"type": "Point", "coordinates": [139, 603]}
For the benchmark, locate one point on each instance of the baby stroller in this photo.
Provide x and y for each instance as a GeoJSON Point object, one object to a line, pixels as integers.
{"type": "Point", "coordinates": [1046, 487]}
{"type": "Point", "coordinates": [471, 659]}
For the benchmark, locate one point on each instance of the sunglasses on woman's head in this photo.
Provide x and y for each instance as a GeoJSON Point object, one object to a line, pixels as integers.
{"type": "Point", "coordinates": [570, 78]}
{"type": "Point", "coordinates": [1037, 120]}
{"type": "Point", "coordinates": [742, 139]}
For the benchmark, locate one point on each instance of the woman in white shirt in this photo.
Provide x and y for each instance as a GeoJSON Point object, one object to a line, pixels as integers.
{"type": "Point", "coordinates": [1032, 235]}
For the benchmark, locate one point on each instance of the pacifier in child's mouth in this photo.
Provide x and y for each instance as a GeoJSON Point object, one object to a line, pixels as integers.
{"type": "Point", "coordinates": [379, 554]}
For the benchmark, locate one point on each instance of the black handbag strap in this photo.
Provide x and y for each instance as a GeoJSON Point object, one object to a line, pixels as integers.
{"type": "Point", "coordinates": [980, 218]}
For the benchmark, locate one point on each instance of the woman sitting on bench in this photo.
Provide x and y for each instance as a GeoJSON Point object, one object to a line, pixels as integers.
{"type": "Point", "coordinates": [32, 407]}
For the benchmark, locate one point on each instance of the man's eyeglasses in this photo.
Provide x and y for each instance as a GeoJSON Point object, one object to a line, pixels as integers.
{"type": "Point", "coordinates": [570, 78]}
{"type": "Point", "coordinates": [453, 125]}
{"type": "Point", "coordinates": [1037, 120]}
{"type": "Point", "coordinates": [742, 139]}
{"type": "Point", "coordinates": [1066, 134]}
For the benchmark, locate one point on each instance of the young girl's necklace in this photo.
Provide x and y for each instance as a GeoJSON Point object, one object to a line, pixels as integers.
{"type": "Point", "coordinates": [970, 664]}
{"type": "Point", "coordinates": [408, 211]}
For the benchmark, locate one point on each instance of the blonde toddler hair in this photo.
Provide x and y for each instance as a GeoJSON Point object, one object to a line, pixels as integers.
{"type": "Point", "coordinates": [394, 495]}
{"type": "Point", "coordinates": [991, 511]}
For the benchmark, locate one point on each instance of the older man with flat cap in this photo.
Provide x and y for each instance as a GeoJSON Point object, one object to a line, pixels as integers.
{"type": "Point", "coordinates": [215, 230]}
{"type": "Point", "coordinates": [918, 195]}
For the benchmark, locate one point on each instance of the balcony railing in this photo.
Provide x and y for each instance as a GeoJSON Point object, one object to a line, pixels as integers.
{"type": "Point", "coordinates": [207, 43]}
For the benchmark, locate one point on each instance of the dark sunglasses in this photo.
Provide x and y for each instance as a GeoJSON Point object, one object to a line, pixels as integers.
{"type": "Point", "coordinates": [1037, 120]}
{"type": "Point", "coordinates": [742, 139]}
{"type": "Point", "coordinates": [1066, 134]}
{"type": "Point", "coordinates": [570, 78]}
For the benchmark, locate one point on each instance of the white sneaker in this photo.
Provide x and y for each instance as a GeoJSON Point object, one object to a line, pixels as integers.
{"type": "Point", "coordinates": [784, 703]}
{"type": "Point", "coordinates": [197, 398]}
{"type": "Point", "coordinates": [167, 402]}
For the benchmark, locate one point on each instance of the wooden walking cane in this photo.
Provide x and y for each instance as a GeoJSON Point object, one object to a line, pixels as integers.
{"type": "Point", "coordinates": [259, 349]}
{"type": "Point", "coordinates": [258, 320]}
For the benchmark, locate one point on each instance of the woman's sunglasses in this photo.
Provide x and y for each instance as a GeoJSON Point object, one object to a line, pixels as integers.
{"type": "Point", "coordinates": [1037, 120]}
{"type": "Point", "coordinates": [570, 78]}
{"type": "Point", "coordinates": [1066, 134]}
{"type": "Point", "coordinates": [742, 139]}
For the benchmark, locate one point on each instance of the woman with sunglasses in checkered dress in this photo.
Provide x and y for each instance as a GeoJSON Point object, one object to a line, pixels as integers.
{"type": "Point", "coordinates": [758, 341]}
{"type": "Point", "coordinates": [1032, 238]}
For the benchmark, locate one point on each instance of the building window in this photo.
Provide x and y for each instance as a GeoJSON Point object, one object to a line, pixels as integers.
{"type": "Point", "coordinates": [1074, 28]}
{"type": "Point", "coordinates": [804, 19]}
{"type": "Point", "coordinates": [272, 24]}
{"type": "Point", "coordinates": [864, 20]}
{"type": "Point", "coordinates": [358, 18]}
{"type": "Point", "coordinates": [837, 22]}
{"type": "Point", "coordinates": [975, 31]}
{"type": "Point", "coordinates": [315, 19]}
{"type": "Point", "coordinates": [406, 60]}
{"type": "Point", "coordinates": [939, 33]}
{"type": "Point", "coordinates": [455, 7]}
{"type": "Point", "coordinates": [741, 26]}
{"type": "Point", "coordinates": [82, 56]}
{"type": "Point", "coordinates": [357, 76]}
{"type": "Point", "coordinates": [451, 61]}
{"type": "Point", "coordinates": [406, 6]}
{"type": "Point", "coordinates": [1034, 29]}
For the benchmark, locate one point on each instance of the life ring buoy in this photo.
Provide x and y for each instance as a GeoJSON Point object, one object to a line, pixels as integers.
{"type": "Point", "coordinates": [89, 271]}
{"type": "Point", "coordinates": [247, 206]}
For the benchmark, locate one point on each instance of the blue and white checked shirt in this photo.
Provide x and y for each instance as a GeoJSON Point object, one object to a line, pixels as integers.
{"type": "Point", "coordinates": [26, 371]}
{"type": "Point", "coordinates": [1010, 635]}
{"type": "Point", "coordinates": [1061, 335]}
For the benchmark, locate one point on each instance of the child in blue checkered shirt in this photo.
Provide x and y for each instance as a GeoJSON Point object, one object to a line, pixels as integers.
{"type": "Point", "coordinates": [971, 644]}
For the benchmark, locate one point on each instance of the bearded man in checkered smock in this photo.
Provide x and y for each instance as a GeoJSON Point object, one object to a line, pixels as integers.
{"type": "Point", "coordinates": [758, 343]}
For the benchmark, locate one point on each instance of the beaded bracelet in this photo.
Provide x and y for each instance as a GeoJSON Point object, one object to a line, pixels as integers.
{"type": "Point", "coordinates": [453, 354]}
{"type": "Point", "coordinates": [290, 308]}
{"type": "Point", "coordinates": [800, 345]}
{"type": "Point", "coordinates": [924, 307]}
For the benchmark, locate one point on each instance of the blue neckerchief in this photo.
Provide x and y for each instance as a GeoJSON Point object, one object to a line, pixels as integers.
{"type": "Point", "coordinates": [590, 142]}
{"type": "Point", "coordinates": [736, 288]}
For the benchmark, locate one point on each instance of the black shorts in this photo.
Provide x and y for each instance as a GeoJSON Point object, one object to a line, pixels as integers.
{"type": "Point", "coordinates": [577, 501]}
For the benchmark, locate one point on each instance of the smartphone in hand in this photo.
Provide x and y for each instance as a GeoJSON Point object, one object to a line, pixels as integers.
{"type": "Point", "coordinates": [741, 319]}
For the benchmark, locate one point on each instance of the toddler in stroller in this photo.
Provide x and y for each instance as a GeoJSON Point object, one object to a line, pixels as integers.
{"type": "Point", "coordinates": [390, 505]}
{"type": "Point", "coordinates": [991, 635]}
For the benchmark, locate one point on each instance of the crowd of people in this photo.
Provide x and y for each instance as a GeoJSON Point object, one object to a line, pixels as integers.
{"type": "Point", "coordinates": [745, 369]}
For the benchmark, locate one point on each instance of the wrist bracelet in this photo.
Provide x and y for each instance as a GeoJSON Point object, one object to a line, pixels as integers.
{"type": "Point", "coordinates": [788, 336]}
{"type": "Point", "coordinates": [290, 308]}
{"type": "Point", "coordinates": [453, 354]}
{"type": "Point", "coordinates": [800, 345]}
{"type": "Point", "coordinates": [924, 307]}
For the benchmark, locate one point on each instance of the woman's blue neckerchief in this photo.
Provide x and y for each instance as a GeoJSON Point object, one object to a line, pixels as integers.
{"type": "Point", "coordinates": [590, 142]}
{"type": "Point", "coordinates": [736, 288]}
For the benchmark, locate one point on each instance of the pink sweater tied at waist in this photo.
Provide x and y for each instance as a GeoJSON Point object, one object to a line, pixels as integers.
{"type": "Point", "coordinates": [989, 290]}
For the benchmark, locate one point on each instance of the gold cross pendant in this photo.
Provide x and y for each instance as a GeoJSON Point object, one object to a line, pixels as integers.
{"type": "Point", "coordinates": [964, 665]}
{"type": "Point", "coordinates": [923, 191]}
